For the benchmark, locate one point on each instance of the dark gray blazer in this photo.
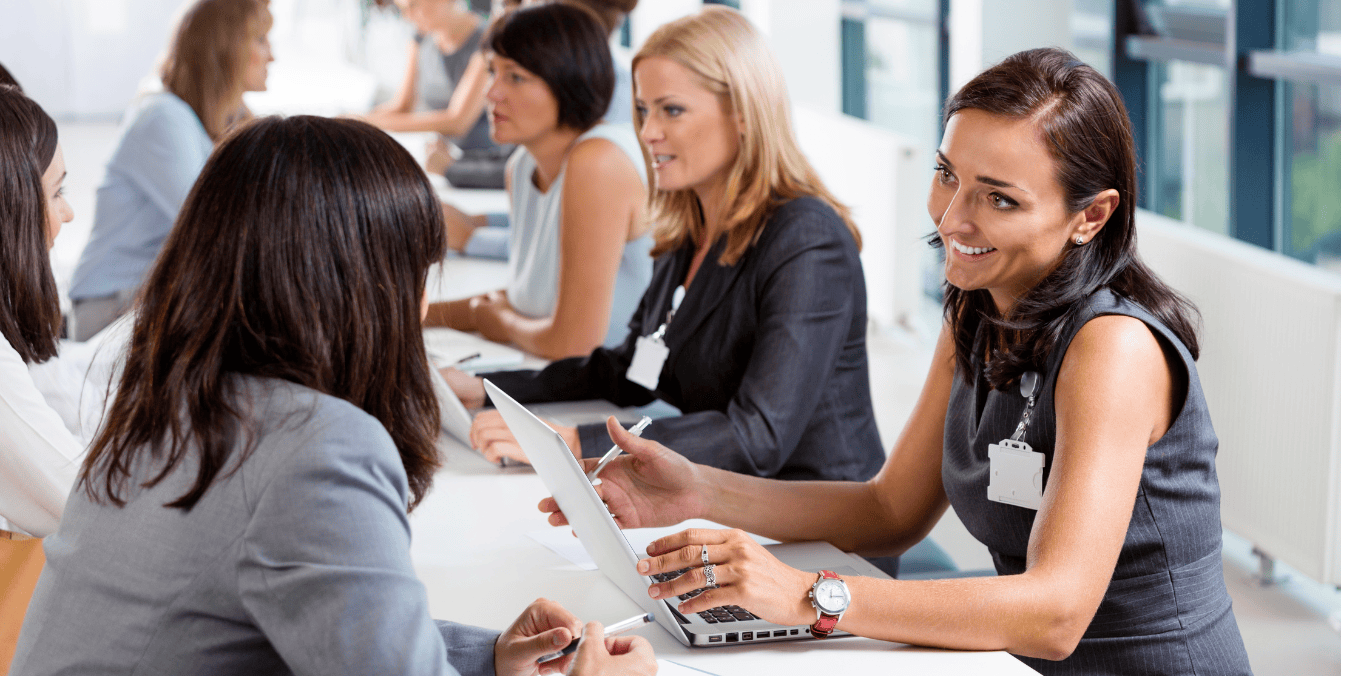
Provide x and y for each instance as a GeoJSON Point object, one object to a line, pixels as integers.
{"type": "Point", "coordinates": [767, 356]}
{"type": "Point", "coordinates": [296, 563]}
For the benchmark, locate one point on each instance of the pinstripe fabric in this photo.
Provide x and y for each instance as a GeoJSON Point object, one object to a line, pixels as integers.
{"type": "Point", "coordinates": [1166, 610]}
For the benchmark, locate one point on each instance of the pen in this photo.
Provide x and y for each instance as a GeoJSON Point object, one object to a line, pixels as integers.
{"type": "Point", "coordinates": [472, 357]}
{"type": "Point", "coordinates": [638, 428]}
{"type": "Point", "coordinates": [617, 628]}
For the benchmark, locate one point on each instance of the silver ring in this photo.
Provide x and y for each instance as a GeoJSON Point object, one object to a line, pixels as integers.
{"type": "Point", "coordinates": [709, 575]}
{"type": "Point", "coordinates": [704, 555]}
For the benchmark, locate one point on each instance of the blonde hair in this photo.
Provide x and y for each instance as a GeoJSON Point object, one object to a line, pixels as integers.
{"type": "Point", "coordinates": [208, 56]}
{"type": "Point", "coordinates": [728, 57]}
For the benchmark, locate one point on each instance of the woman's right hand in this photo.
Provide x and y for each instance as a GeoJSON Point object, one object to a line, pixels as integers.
{"type": "Point", "coordinates": [615, 656]}
{"type": "Point", "coordinates": [651, 486]}
{"type": "Point", "coordinates": [469, 389]}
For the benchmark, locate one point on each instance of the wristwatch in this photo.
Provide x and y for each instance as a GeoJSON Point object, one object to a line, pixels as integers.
{"type": "Point", "coordinates": [831, 598]}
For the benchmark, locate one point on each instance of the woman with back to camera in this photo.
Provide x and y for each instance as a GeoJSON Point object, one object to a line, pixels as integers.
{"type": "Point", "coordinates": [579, 240]}
{"type": "Point", "coordinates": [1056, 336]}
{"type": "Point", "coordinates": [244, 507]}
{"type": "Point", "coordinates": [757, 290]}
{"type": "Point", "coordinates": [220, 51]}
{"type": "Point", "coordinates": [39, 455]}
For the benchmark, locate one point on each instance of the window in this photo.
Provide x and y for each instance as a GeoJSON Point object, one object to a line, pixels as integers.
{"type": "Point", "coordinates": [1239, 136]}
{"type": "Point", "coordinates": [890, 65]}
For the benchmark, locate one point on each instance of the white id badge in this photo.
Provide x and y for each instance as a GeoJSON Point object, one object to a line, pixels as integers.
{"type": "Point", "coordinates": [650, 353]}
{"type": "Point", "coordinates": [1016, 474]}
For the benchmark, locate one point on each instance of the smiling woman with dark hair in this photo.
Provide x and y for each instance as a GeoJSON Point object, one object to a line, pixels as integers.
{"type": "Point", "coordinates": [244, 507]}
{"type": "Point", "coordinates": [1063, 420]}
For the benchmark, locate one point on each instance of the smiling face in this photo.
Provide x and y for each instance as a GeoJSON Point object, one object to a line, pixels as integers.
{"type": "Point", "coordinates": [998, 206]}
{"type": "Point", "coordinates": [521, 107]}
{"type": "Point", "coordinates": [58, 210]}
{"type": "Point", "coordinates": [690, 132]}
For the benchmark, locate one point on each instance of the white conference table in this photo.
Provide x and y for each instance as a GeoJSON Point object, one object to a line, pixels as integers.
{"type": "Point", "coordinates": [471, 549]}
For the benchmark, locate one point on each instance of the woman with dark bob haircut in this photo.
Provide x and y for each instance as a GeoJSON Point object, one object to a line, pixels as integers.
{"type": "Point", "coordinates": [578, 247]}
{"type": "Point", "coordinates": [243, 509]}
{"type": "Point", "coordinates": [1062, 418]}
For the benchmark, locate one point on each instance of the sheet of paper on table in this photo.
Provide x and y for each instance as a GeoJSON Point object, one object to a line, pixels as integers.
{"type": "Point", "coordinates": [561, 540]}
{"type": "Point", "coordinates": [670, 668]}
{"type": "Point", "coordinates": [447, 347]}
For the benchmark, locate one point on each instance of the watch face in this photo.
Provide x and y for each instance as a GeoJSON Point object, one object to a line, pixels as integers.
{"type": "Point", "coordinates": [831, 596]}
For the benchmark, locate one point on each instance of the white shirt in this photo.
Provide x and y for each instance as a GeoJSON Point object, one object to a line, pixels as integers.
{"type": "Point", "coordinates": [48, 413]}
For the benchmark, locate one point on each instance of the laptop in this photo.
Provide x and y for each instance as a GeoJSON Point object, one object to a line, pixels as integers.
{"type": "Point", "coordinates": [599, 534]}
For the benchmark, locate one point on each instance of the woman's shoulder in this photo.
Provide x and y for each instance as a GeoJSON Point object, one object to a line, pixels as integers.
{"type": "Point", "coordinates": [298, 430]}
{"type": "Point", "coordinates": [805, 222]}
{"type": "Point", "coordinates": [608, 146]}
{"type": "Point", "coordinates": [161, 107]}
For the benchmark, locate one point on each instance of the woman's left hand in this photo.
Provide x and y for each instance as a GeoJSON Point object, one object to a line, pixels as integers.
{"type": "Point", "coordinates": [746, 573]}
{"type": "Point", "coordinates": [490, 436]}
{"type": "Point", "coordinates": [488, 312]}
{"type": "Point", "coordinates": [544, 627]}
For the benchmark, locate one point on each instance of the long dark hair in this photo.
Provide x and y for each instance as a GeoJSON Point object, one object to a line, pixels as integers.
{"type": "Point", "coordinates": [1086, 130]}
{"type": "Point", "coordinates": [300, 254]}
{"type": "Point", "coordinates": [565, 45]}
{"type": "Point", "coordinates": [30, 310]}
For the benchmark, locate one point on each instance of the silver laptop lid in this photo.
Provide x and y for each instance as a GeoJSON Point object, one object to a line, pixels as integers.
{"type": "Point", "coordinates": [591, 521]}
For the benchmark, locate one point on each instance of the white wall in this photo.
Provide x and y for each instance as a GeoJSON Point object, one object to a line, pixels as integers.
{"type": "Point", "coordinates": [806, 38]}
{"type": "Point", "coordinates": [982, 32]}
{"type": "Point", "coordinates": [84, 58]}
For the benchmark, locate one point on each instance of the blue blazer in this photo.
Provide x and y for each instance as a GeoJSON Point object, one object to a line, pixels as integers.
{"type": "Point", "coordinates": [767, 356]}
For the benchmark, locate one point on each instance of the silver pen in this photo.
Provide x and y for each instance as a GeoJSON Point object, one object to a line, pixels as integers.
{"type": "Point", "coordinates": [614, 453]}
{"type": "Point", "coordinates": [617, 628]}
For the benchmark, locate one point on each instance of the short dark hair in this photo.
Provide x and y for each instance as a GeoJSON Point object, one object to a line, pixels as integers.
{"type": "Point", "coordinates": [300, 254]}
{"type": "Point", "coordinates": [1085, 129]}
{"type": "Point", "coordinates": [565, 45]}
{"type": "Point", "coordinates": [30, 311]}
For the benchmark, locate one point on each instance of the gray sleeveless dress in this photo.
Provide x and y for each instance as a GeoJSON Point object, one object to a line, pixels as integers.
{"type": "Point", "coordinates": [1166, 610]}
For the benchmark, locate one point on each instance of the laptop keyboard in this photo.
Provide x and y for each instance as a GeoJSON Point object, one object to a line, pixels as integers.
{"type": "Point", "coordinates": [713, 615]}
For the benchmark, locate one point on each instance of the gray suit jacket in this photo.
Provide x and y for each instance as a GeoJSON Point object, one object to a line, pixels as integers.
{"type": "Point", "coordinates": [298, 562]}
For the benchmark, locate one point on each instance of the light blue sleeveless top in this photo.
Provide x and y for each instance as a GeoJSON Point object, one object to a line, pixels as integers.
{"type": "Point", "coordinates": [533, 245]}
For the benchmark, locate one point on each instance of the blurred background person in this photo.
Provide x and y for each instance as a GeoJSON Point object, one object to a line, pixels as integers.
{"type": "Point", "coordinates": [220, 50]}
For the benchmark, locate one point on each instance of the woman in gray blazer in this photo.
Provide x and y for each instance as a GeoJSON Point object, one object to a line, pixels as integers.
{"type": "Point", "coordinates": [244, 508]}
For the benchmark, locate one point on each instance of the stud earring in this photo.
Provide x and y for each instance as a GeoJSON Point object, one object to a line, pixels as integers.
{"type": "Point", "coordinates": [1080, 240]}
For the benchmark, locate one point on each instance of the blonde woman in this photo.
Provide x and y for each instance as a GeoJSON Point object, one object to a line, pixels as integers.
{"type": "Point", "coordinates": [757, 294]}
{"type": "Point", "coordinates": [219, 51]}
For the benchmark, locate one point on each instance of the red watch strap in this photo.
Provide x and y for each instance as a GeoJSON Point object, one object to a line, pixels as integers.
{"type": "Point", "coordinates": [824, 626]}
{"type": "Point", "coordinates": [825, 623]}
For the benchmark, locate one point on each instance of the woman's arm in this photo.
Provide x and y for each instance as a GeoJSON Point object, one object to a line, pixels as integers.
{"type": "Point", "coordinates": [404, 98]}
{"type": "Point", "coordinates": [602, 197]}
{"type": "Point", "coordinates": [654, 486]}
{"type": "Point", "coordinates": [459, 116]}
{"type": "Point", "coordinates": [39, 457]}
{"type": "Point", "coordinates": [453, 314]}
{"type": "Point", "coordinates": [1113, 399]}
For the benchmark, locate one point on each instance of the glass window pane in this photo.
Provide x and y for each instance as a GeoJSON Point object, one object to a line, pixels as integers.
{"type": "Point", "coordinates": [1189, 160]}
{"type": "Point", "coordinates": [903, 77]}
{"type": "Point", "coordinates": [1309, 26]}
{"type": "Point", "coordinates": [1310, 182]}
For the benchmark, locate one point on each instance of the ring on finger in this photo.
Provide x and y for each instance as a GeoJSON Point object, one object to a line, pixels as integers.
{"type": "Point", "coordinates": [704, 554]}
{"type": "Point", "coordinates": [709, 575]}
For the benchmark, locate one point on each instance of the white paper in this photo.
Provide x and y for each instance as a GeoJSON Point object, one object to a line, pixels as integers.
{"type": "Point", "coordinates": [561, 541]}
{"type": "Point", "coordinates": [447, 347]}
{"type": "Point", "coordinates": [670, 668]}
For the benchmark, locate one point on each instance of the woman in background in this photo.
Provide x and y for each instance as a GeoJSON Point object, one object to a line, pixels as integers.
{"type": "Point", "coordinates": [579, 241]}
{"type": "Point", "coordinates": [39, 456]}
{"type": "Point", "coordinates": [757, 292]}
{"type": "Point", "coordinates": [485, 235]}
{"type": "Point", "coordinates": [220, 51]}
{"type": "Point", "coordinates": [457, 34]}
{"type": "Point", "coordinates": [244, 508]}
